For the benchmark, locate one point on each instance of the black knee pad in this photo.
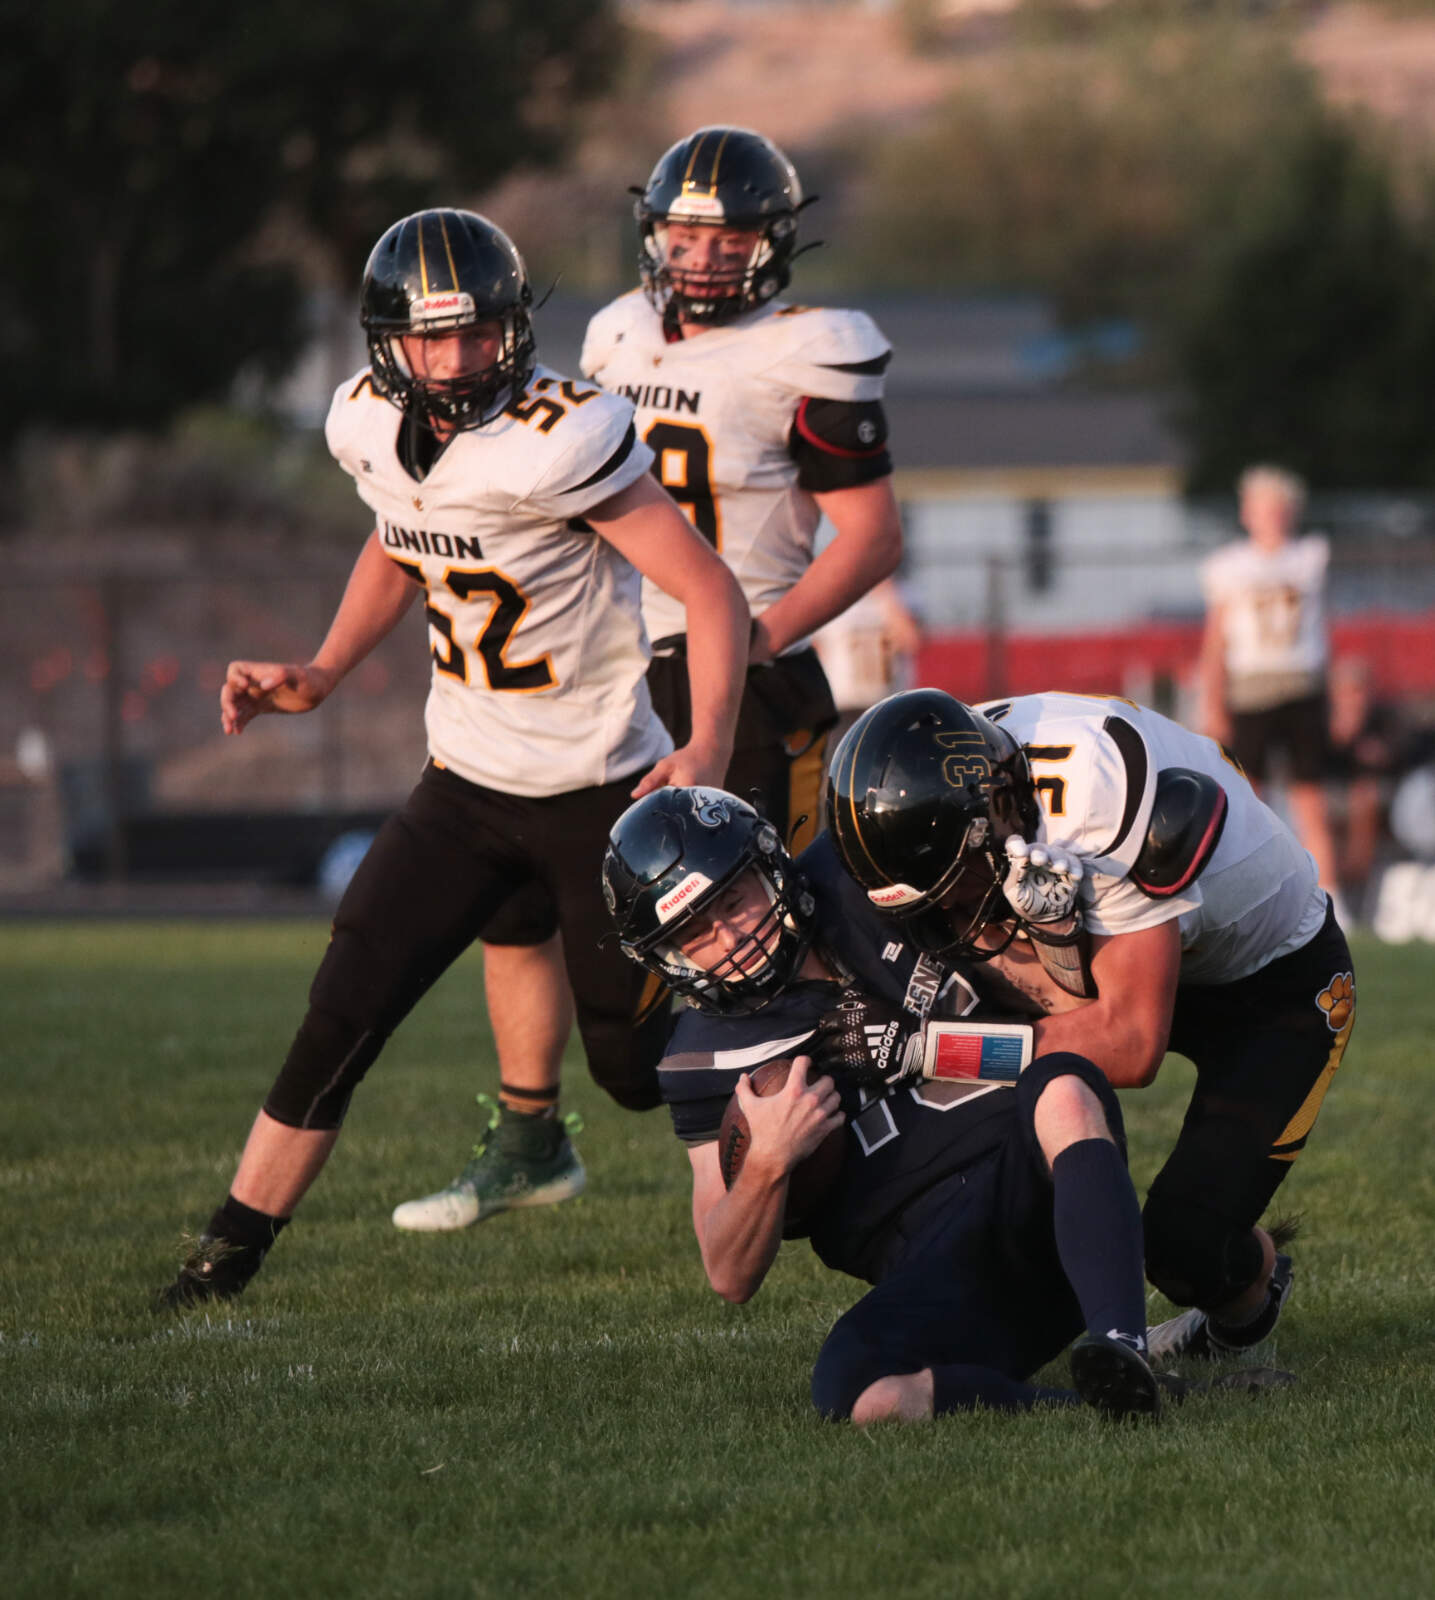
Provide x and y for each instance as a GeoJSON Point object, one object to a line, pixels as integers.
{"type": "Point", "coordinates": [1194, 1256]}
{"type": "Point", "coordinates": [846, 1366]}
{"type": "Point", "coordinates": [1200, 1211]}
{"type": "Point", "coordinates": [325, 1064]}
{"type": "Point", "coordinates": [623, 1057]}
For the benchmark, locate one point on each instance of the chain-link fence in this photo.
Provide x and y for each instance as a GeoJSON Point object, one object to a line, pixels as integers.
{"type": "Point", "coordinates": [112, 763]}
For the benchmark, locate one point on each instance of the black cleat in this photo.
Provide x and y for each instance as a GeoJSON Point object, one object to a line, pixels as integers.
{"type": "Point", "coordinates": [1113, 1376]}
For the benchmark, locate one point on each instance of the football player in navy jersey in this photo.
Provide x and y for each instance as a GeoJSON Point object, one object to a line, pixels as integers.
{"type": "Point", "coordinates": [991, 1210]}
{"type": "Point", "coordinates": [518, 503]}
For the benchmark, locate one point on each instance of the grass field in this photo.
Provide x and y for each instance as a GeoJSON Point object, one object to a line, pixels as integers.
{"type": "Point", "coordinates": [554, 1403]}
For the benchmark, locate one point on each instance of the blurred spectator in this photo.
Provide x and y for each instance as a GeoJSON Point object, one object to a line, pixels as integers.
{"type": "Point", "coordinates": [1366, 747]}
{"type": "Point", "coordinates": [868, 652]}
{"type": "Point", "coordinates": [1265, 654]}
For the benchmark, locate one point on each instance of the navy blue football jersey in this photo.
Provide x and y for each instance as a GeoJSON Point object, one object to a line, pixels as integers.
{"type": "Point", "coordinates": [899, 1144]}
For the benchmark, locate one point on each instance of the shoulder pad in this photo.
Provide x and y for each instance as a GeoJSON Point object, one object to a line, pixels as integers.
{"type": "Point", "coordinates": [829, 353]}
{"type": "Point", "coordinates": [595, 450]}
{"type": "Point", "coordinates": [607, 327]}
{"type": "Point", "coordinates": [348, 411]}
{"type": "Point", "coordinates": [1187, 817]}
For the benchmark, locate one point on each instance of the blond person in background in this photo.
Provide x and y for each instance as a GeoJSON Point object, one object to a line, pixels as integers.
{"type": "Point", "coordinates": [1265, 655]}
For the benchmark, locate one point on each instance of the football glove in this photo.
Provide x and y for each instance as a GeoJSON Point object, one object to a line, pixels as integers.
{"type": "Point", "coordinates": [1043, 881]}
{"type": "Point", "coordinates": [866, 1043]}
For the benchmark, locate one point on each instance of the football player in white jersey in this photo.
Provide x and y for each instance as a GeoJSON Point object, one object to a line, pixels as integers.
{"type": "Point", "coordinates": [1120, 870]}
{"type": "Point", "coordinates": [520, 505]}
{"type": "Point", "coordinates": [762, 417]}
{"type": "Point", "coordinates": [1265, 651]}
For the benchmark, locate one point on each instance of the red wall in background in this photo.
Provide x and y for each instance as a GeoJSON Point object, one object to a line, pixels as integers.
{"type": "Point", "coordinates": [975, 665]}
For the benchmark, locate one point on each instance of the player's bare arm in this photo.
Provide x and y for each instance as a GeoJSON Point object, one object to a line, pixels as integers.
{"type": "Point", "coordinates": [1126, 1028]}
{"type": "Point", "coordinates": [867, 548]}
{"type": "Point", "coordinates": [739, 1230]}
{"type": "Point", "coordinates": [648, 528]}
{"type": "Point", "coordinates": [376, 596]}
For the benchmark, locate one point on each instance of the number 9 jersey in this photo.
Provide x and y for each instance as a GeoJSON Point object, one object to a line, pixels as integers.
{"type": "Point", "coordinates": [735, 419]}
{"type": "Point", "coordinates": [537, 638]}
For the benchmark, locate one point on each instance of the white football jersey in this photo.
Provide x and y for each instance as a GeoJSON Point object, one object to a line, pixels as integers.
{"type": "Point", "coordinates": [1095, 762]}
{"type": "Point", "coordinates": [538, 644]}
{"type": "Point", "coordinates": [1273, 606]}
{"type": "Point", "coordinates": [717, 410]}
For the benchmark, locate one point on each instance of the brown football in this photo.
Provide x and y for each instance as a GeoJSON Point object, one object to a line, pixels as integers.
{"type": "Point", "coordinates": [810, 1180]}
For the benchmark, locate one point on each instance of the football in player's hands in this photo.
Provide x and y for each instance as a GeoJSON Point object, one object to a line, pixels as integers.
{"type": "Point", "coordinates": [809, 1181]}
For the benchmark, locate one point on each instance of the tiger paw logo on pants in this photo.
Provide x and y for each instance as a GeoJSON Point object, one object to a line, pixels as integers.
{"type": "Point", "coordinates": [1338, 1001]}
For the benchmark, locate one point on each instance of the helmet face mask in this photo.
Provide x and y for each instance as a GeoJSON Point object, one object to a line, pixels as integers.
{"type": "Point", "coordinates": [451, 279]}
{"type": "Point", "coordinates": [671, 858]}
{"type": "Point", "coordinates": [923, 793]}
{"type": "Point", "coordinates": [735, 183]}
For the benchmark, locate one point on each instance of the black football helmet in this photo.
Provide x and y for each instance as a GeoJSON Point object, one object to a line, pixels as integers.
{"type": "Point", "coordinates": [437, 272]}
{"type": "Point", "coordinates": [922, 794]}
{"type": "Point", "coordinates": [719, 177]}
{"type": "Point", "coordinates": [674, 851]}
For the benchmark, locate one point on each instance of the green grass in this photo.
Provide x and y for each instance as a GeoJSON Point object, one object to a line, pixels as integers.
{"type": "Point", "coordinates": [554, 1402]}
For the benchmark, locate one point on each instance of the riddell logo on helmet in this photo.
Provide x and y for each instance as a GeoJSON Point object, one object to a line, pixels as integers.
{"type": "Point", "coordinates": [707, 206]}
{"type": "Point", "coordinates": [894, 894]}
{"type": "Point", "coordinates": [686, 892]}
{"type": "Point", "coordinates": [441, 307]}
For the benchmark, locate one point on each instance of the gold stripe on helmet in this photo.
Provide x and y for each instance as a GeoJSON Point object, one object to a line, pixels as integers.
{"type": "Point", "coordinates": [448, 251]}
{"type": "Point", "coordinates": [693, 159]}
{"type": "Point", "coordinates": [852, 804]}
{"type": "Point", "coordinates": [717, 158]}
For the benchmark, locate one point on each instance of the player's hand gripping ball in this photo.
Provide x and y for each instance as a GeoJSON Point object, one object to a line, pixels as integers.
{"type": "Point", "coordinates": [810, 1180]}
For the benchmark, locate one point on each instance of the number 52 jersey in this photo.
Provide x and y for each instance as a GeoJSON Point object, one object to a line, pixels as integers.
{"type": "Point", "coordinates": [537, 638]}
{"type": "Point", "coordinates": [719, 411]}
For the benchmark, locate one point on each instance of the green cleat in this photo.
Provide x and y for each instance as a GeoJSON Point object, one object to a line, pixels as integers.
{"type": "Point", "coordinates": [519, 1161]}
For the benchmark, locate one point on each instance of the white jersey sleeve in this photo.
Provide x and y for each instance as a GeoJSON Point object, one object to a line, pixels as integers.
{"type": "Point", "coordinates": [831, 354]}
{"type": "Point", "coordinates": [597, 463]}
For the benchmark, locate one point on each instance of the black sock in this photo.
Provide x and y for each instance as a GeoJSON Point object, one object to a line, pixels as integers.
{"type": "Point", "coordinates": [239, 1224]}
{"type": "Point", "coordinates": [247, 1234]}
{"type": "Point", "coordinates": [528, 1102]}
{"type": "Point", "coordinates": [1257, 1328]}
{"type": "Point", "coordinates": [1098, 1237]}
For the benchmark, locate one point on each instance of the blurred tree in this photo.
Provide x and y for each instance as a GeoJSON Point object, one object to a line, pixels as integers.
{"type": "Point", "coordinates": [1190, 176]}
{"type": "Point", "coordinates": [174, 170]}
{"type": "Point", "coordinates": [1306, 334]}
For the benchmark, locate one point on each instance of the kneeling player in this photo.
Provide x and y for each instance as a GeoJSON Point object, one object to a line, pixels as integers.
{"type": "Point", "coordinates": [994, 1217]}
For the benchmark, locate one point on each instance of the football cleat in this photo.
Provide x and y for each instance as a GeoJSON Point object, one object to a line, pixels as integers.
{"type": "Point", "coordinates": [1194, 1336]}
{"type": "Point", "coordinates": [520, 1161]}
{"type": "Point", "coordinates": [1113, 1376]}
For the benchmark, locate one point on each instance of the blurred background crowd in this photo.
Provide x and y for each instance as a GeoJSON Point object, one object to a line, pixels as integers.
{"type": "Point", "coordinates": [1123, 251]}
